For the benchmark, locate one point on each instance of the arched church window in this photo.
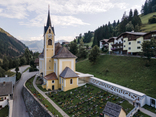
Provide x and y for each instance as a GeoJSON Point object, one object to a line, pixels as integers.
{"type": "Point", "coordinates": [71, 81]}
{"type": "Point", "coordinates": [49, 42]}
{"type": "Point", "coordinates": [49, 30]}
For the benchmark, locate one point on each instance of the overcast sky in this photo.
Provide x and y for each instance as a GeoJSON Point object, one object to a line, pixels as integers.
{"type": "Point", "coordinates": [24, 19]}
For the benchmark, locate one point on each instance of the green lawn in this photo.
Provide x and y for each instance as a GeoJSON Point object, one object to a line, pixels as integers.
{"type": "Point", "coordinates": [4, 112]}
{"type": "Point", "coordinates": [130, 72]}
{"type": "Point", "coordinates": [86, 101]}
{"type": "Point", "coordinates": [140, 114]}
{"type": "Point", "coordinates": [9, 73]}
{"type": "Point", "coordinates": [26, 69]}
{"type": "Point", "coordinates": [152, 109]}
{"type": "Point", "coordinates": [29, 85]}
{"type": "Point", "coordinates": [145, 26]}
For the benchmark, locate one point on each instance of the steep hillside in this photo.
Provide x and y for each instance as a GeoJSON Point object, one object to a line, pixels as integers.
{"type": "Point", "coordinates": [9, 45]}
{"type": "Point", "coordinates": [145, 26]}
{"type": "Point", "coordinates": [130, 72]}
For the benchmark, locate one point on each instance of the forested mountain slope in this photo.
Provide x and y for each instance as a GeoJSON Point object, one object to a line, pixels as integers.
{"type": "Point", "coordinates": [9, 45]}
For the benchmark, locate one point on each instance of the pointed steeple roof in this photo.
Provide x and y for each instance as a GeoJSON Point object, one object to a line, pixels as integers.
{"type": "Point", "coordinates": [48, 23]}
{"type": "Point", "coordinates": [48, 19]}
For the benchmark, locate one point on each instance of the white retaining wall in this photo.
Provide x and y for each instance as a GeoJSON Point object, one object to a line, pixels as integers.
{"type": "Point", "coordinates": [124, 92]}
{"type": "Point", "coordinates": [4, 103]}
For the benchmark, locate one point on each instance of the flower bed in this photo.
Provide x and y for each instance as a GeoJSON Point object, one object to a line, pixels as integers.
{"type": "Point", "coordinates": [87, 100]}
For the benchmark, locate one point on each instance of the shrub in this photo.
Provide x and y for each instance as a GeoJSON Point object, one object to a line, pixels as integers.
{"type": "Point", "coordinates": [18, 76]}
{"type": "Point", "coordinates": [152, 20]}
{"type": "Point", "coordinates": [31, 69]}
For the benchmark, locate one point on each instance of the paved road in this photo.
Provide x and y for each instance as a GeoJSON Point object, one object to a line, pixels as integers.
{"type": "Point", "coordinates": [21, 69]}
{"type": "Point", "coordinates": [19, 109]}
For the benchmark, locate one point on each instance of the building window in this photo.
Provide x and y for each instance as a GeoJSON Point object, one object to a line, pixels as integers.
{"type": "Point", "coordinates": [129, 48]}
{"type": "Point", "coordinates": [124, 46]}
{"type": "Point", "coordinates": [55, 67]}
{"type": "Point", "coordinates": [138, 41]}
{"type": "Point", "coordinates": [49, 60]}
{"type": "Point", "coordinates": [49, 30]}
{"type": "Point", "coordinates": [49, 67]}
{"type": "Point", "coordinates": [71, 81]}
{"type": "Point", "coordinates": [49, 42]}
{"type": "Point", "coordinates": [62, 80]}
{"type": "Point", "coordinates": [53, 81]}
{"type": "Point", "coordinates": [124, 41]}
{"type": "Point", "coordinates": [129, 43]}
{"type": "Point", "coordinates": [138, 47]}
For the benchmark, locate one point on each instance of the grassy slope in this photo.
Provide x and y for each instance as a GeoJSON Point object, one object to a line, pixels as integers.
{"type": "Point", "coordinates": [4, 112]}
{"type": "Point", "coordinates": [126, 71]}
{"type": "Point", "coordinates": [145, 26]}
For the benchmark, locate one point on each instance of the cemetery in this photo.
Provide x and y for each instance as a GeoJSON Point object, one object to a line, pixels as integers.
{"type": "Point", "coordinates": [86, 100]}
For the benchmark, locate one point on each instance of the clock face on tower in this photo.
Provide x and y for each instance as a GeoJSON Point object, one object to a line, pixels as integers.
{"type": "Point", "coordinates": [49, 36]}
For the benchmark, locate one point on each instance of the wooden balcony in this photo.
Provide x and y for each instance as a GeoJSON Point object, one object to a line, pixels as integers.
{"type": "Point", "coordinates": [118, 44]}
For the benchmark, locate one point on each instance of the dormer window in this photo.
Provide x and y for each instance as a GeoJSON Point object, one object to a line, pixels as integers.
{"type": "Point", "coordinates": [49, 30]}
{"type": "Point", "coordinates": [49, 42]}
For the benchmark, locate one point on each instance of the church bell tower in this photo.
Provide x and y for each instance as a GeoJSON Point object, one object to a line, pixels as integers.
{"type": "Point", "coordinates": [49, 46]}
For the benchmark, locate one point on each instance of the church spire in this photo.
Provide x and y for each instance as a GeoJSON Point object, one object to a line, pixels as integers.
{"type": "Point", "coordinates": [48, 19]}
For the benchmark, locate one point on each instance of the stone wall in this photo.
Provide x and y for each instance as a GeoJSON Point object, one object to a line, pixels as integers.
{"type": "Point", "coordinates": [34, 107]}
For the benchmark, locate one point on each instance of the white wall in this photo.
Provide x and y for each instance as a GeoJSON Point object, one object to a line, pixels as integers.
{"type": "Point", "coordinates": [148, 101]}
{"type": "Point", "coordinates": [4, 102]}
{"type": "Point", "coordinates": [122, 92]}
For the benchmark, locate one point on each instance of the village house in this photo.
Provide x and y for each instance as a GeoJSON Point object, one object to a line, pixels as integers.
{"type": "Point", "coordinates": [6, 93]}
{"type": "Point", "coordinates": [113, 110]}
{"type": "Point", "coordinates": [104, 43]}
{"type": "Point", "coordinates": [56, 63]}
{"type": "Point", "coordinates": [129, 42]}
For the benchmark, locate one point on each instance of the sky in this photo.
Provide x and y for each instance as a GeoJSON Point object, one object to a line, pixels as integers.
{"type": "Point", "coordinates": [25, 19]}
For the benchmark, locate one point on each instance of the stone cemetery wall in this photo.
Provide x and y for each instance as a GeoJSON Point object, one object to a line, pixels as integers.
{"type": "Point", "coordinates": [34, 107]}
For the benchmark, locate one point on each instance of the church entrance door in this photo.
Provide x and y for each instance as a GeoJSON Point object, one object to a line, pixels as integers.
{"type": "Point", "coordinates": [53, 87]}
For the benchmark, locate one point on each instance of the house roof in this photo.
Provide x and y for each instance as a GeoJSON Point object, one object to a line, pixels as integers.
{"type": "Point", "coordinates": [63, 52]}
{"type": "Point", "coordinates": [154, 31]}
{"type": "Point", "coordinates": [68, 73]}
{"type": "Point", "coordinates": [42, 54]}
{"type": "Point", "coordinates": [51, 76]}
{"type": "Point", "coordinates": [112, 110]}
{"type": "Point", "coordinates": [132, 33]}
{"type": "Point", "coordinates": [105, 40]}
{"type": "Point", "coordinates": [112, 38]}
{"type": "Point", "coordinates": [6, 88]}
